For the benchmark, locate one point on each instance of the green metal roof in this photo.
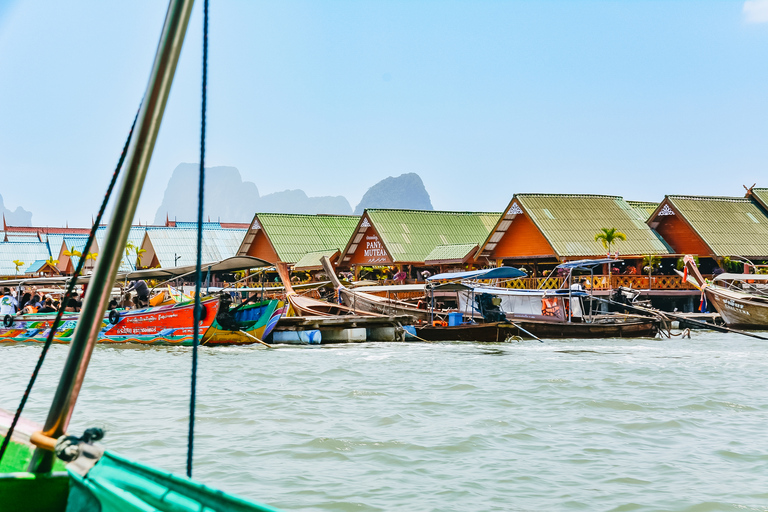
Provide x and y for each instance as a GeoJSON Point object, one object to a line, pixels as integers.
{"type": "Point", "coordinates": [450, 253]}
{"type": "Point", "coordinates": [644, 208]}
{"type": "Point", "coordinates": [411, 235]}
{"type": "Point", "coordinates": [294, 235]}
{"type": "Point", "coordinates": [761, 195]}
{"type": "Point", "coordinates": [570, 223]}
{"type": "Point", "coordinates": [312, 259]}
{"type": "Point", "coordinates": [730, 226]}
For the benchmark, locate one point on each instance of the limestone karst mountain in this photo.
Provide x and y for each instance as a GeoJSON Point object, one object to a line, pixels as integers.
{"type": "Point", "coordinates": [406, 191]}
{"type": "Point", "coordinates": [231, 199]}
{"type": "Point", "coordinates": [17, 217]}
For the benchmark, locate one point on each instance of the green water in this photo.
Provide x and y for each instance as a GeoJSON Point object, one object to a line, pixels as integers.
{"type": "Point", "coordinates": [564, 425]}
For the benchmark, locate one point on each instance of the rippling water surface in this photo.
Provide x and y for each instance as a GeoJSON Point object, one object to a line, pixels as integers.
{"type": "Point", "coordinates": [563, 425]}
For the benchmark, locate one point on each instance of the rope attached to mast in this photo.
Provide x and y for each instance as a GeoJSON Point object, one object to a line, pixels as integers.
{"type": "Point", "coordinates": [198, 268]}
{"type": "Point", "coordinates": [68, 294]}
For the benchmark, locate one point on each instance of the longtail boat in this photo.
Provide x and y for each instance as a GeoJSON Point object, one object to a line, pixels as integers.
{"type": "Point", "coordinates": [307, 306]}
{"type": "Point", "coordinates": [167, 324]}
{"type": "Point", "coordinates": [496, 313]}
{"type": "Point", "coordinates": [161, 325]}
{"type": "Point", "coordinates": [361, 302]}
{"type": "Point", "coordinates": [33, 474]}
{"type": "Point", "coordinates": [741, 299]}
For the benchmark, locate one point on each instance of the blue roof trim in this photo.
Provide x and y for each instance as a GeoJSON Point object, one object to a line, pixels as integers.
{"type": "Point", "coordinates": [489, 273]}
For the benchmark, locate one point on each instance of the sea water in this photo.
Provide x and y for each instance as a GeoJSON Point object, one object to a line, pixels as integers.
{"type": "Point", "coordinates": [622, 425]}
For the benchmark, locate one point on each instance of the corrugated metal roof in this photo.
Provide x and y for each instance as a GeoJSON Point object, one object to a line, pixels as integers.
{"type": "Point", "coordinates": [14, 237]}
{"type": "Point", "coordinates": [730, 226]}
{"type": "Point", "coordinates": [135, 236]}
{"type": "Point", "coordinates": [294, 235]}
{"type": "Point", "coordinates": [35, 266]}
{"type": "Point", "coordinates": [570, 223]}
{"type": "Point", "coordinates": [311, 260]}
{"type": "Point", "coordinates": [450, 253]}
{"type": "Point", "coordinates": [761, 195]}
{"type": "Point", "coordinates": [27, 252]}
{"type": "Point", "coordinates": [181, 244]}
{"type": "Point", "coordinates": [644, 208]}
{"type": "Point", "coordinates": [411, 235]}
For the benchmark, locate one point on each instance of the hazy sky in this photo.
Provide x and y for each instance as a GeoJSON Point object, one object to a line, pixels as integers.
{"type": "Point", "coordinates": [482, 99]}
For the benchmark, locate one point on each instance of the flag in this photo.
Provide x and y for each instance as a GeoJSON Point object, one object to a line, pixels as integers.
{"type": "Point", "coordinates": [703, 304]}
{"type": "Point", "coordinates": [685, 274]}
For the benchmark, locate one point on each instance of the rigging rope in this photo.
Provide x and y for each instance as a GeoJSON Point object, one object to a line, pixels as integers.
{"type": "Point", "coordinates": [198, 267]}
{"type": "Point", "coordinates": [68, 294]}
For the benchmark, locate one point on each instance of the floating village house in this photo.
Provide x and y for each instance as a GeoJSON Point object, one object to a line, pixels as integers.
{"type": "Point", "coordinates": [416, 240]}
{"type": "Point", "coordinates": [543, 230]}
{"type": "Point", "coordinates": [714, 228]}
{"type": "Point", "coordinates": [176, 245]}
{"type": "Point", "coordinates": [297, 240]}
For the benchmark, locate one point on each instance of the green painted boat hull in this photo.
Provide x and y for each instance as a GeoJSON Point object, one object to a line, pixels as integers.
{"type": "Point", "coordinates": [114, 484]}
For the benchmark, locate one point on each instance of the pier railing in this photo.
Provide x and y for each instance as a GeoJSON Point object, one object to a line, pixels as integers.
{"type": "Point", "coordinates": [604, 282]}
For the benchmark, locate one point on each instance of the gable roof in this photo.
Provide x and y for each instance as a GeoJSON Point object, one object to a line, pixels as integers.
{"type": "Point", "coordinates": [27, 252]}
{"type": "Point", "coordinates": [135, 236]}
{"type": "Point", "coordinates": [447, 254]}
{"type": "Point", "coordinates": [644, 208]}
{"type": "Point", "coordinates": [411, 235]}
{"type": "Point", "coordinates": [729, 226]}
{"type": "Point", "coordinates": [761, 196]}
{"type": "Point", "coordinates": [294, 235]}
{"type": "Point", "coordinates": [177, 247]}
{"type": "Point", "coordinates": [311, 260]}
{"type": "Point", "coordinates": [569, 223]}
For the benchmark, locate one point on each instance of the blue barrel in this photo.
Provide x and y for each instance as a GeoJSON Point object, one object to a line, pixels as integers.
{"type": "Point", "coordinates": [454, 319]}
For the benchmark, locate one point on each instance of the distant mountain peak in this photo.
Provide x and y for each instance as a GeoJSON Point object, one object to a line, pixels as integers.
{"type": "Point", "coordinates": [406, 191]}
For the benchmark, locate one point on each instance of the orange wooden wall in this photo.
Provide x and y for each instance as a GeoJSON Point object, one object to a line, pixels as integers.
{"type": "Point", "coordinates": [261, 248]}
{"type": "Point", "coordinates": [522, 238]}
{"type": "Point", "coordinates": [680, 236]}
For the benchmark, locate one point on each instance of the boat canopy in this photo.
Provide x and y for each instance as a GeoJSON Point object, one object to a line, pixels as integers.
{"type": "Point", "coordinates": [228, 265]}
{"type": "Point", "coordinates": [488, 273]}
{"type": "Point", "coordinates": [392, 288]}
{"type": "Point", "coordinates": [740, 277]}
{"type": "Point", "coordinates": [586, 264]}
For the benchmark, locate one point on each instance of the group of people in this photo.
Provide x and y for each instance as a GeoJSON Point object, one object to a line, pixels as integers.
{"type": "Point", "coordinates": [33, 302]}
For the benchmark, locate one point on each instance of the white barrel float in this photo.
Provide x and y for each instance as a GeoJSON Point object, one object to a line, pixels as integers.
{"type": "Point", "coordinates": [311, 337]}
{"type": "Point", "coordinates": [344, 335]}
{"type": "Point", "coordinates": [385, 333]}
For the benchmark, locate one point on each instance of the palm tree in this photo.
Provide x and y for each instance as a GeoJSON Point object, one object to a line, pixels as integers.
{"type": "Point", "coordinates": [139, 253]}
{"type": "Point", "coordinates": [18, 264]}
{"type": "Point", "coordinates": [52, 262]}
{"type": "Point", "coordinates": [651, 263]}
{"type": "Point", "coordinates": [72, 253]}
{"type": "Point", "coordinates": [608, 236]}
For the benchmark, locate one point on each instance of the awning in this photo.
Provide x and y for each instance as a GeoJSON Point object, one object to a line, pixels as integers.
{"type": "Point", "coordinates": [740, 277]}
{"type": "Point", "coordinates": [228, 265]}
{"type": "Point", "coordinates": [489, 273]}
{"type": "Point", "coordinates": [586, 264]}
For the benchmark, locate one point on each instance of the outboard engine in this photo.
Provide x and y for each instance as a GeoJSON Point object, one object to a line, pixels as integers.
{"type": "Point", "coordinates": [488, 305]}
{"type": "Point", "coordinates": [225, 317]}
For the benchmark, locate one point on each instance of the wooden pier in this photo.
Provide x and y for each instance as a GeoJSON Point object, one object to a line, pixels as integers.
{"type": "Point", "coordinates": [347, 328]}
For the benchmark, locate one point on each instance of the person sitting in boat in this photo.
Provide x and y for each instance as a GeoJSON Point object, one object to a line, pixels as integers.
{"type": "Point", "coordinates": [73, 304]}
{"type": "Point", "coordinates": [142, 293]}
{"type": "Point", "coordinates": [47, 307]}
{"type": "Point", "coordinates": [8, 303]}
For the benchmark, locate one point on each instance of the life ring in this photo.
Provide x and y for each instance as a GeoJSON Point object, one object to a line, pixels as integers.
{"type": "Point", "coordinates": [8, 320]}
{"type": "Point", "coordinates": [114, 316]}
{"type": "Point", "coordinates": [439, 323]}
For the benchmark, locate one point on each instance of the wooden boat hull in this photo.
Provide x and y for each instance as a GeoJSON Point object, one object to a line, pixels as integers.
{"type": "Point", "coordinates": [163, 325]}
{"type": "Point", "coordinates": [738, 310]}
{"type": "Point", "coordinates": [497, 332]}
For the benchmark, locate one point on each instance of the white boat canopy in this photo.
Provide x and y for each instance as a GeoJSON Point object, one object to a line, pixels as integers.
{"type": "Point", "coordinates": [228, 265]}
{"type": "Point", "coordinates": [488, 273]}
{"type": "Point", "coordinates": [740, 277]}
